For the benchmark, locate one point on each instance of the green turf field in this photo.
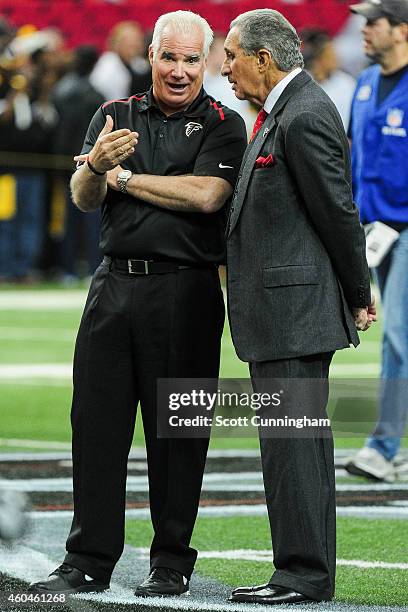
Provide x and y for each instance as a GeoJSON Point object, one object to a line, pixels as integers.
{"type": "Point", "coordinates": [35, 415]}
{"type": "Point", "coordinates": [38, 409]}
{"type": "Point", "coordinates": [358, 540]}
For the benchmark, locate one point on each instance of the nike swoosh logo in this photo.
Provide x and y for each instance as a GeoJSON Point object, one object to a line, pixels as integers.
{"type": "Point", "coordinates": [220, 165]}
{"type": "Point", "coordinates": [88, 578]}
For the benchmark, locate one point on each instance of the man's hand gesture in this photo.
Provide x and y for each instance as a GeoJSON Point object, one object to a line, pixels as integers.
{"type": "Point", "coordinates": [111, 148]}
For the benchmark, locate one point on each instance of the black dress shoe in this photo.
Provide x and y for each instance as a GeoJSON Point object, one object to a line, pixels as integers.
{"type": "Point", "coordinates": [163, 581]}
{"type": "Point", "coordinates": [250, 589]}
{"type": "Point", "coordinates": [69, 580]}
{"type": "Point", "coordinates": [269, 594]}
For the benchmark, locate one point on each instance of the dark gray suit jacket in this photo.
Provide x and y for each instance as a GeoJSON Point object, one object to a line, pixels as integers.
{"type": "Point", "coordinates": [296, 249]}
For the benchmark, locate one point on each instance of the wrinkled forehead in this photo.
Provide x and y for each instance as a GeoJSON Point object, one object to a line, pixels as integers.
{"type": "Point", "coordinates": [183, 43]}
{"type": "Point", "coordinates": [232, 42]}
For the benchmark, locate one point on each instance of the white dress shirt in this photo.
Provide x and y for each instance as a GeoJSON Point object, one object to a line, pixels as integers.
{"type": "Point", "coordinates": [276, 92]}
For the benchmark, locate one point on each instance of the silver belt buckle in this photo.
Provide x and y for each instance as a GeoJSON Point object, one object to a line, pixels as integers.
{"type": "Point", "coordinates": [146, 266]}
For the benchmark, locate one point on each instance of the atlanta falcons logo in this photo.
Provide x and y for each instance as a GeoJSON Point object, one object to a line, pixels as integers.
{"type": "Point", "coordinates": [192, 127]}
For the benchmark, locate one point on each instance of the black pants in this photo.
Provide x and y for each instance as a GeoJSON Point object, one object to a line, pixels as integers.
{"type": "Point", "coordinates": [134, 330]}
{"type": "Point", "coordinates": [299, 480]}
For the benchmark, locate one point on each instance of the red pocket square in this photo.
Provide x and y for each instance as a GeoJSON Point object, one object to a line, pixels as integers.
{"type": "Point", "coordinates": [265, 162]}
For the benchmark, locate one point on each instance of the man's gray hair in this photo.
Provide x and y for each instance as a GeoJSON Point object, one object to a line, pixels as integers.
{"type": "Point", "coordinates": [181, 22]}
{"type": "Point", "coordinates": [268, 29]}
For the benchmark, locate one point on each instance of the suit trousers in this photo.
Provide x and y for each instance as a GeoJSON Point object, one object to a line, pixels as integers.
{"type": "Point", "coordinates": [299, 481]}
{"type": "Point", "coordinates": [134, 330]}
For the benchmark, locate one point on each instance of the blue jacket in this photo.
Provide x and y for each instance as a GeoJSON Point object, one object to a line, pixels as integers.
{"type": "Point", "coordinates": [380, 149]}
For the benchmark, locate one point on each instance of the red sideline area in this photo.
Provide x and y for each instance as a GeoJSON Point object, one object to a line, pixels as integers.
{"type": "Point", "coordinates": [89, 21]}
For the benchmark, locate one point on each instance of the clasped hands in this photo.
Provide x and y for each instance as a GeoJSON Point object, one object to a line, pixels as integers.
{"type": "Point", "coordinates": [110, 150]}
{"type": "Point", "coordinates": [365, 317]}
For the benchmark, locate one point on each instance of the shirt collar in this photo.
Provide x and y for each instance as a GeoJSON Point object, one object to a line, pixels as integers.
{"type": "Point", "coordinates": [148, 102]}
{"type": "Point", "coordinates": [276, 92]}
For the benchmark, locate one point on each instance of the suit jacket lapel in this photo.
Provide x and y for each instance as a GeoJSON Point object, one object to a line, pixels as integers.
{"type": "Point", "coordinates": [253, 149]}
{"type": "Point", "coordinates": [246, 170]}
{"type": "Point", "coordinates": [297, 83]}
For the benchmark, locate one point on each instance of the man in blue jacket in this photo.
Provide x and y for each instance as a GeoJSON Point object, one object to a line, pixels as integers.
{"type": "Point", "coordinates": [379, 133]}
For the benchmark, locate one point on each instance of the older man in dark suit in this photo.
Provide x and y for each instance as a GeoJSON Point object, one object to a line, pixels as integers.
{"type": "Point", "coordinates": [298, 286]}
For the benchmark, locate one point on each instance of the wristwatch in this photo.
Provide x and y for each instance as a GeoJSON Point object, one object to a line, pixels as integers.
{"type": "Point", "coordinates": [122, 179]}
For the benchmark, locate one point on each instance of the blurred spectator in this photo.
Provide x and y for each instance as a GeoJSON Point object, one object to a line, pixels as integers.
{"type": "Point", "coordinates": [27, 122]}
{"type": "Point", "coordinates": [379, 135]}
{"type": "Point", "coordinates": [348, 46]}
{"type": "Point", "coordinates": [219, 88]}
{"type": "Point", "coordinates": [321, 61]}
{"type": "Point", "coordinates": [124, 69]}
{"type": "Point", "coordinates": [76, 101]}
{"type": "Point", "coordinates": [30, 40]}
{"type": "Point", "coordinates": [7, 32]}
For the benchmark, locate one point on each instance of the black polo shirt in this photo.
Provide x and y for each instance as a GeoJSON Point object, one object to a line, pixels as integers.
{"type": "Point", "coordinates": [207, 139]}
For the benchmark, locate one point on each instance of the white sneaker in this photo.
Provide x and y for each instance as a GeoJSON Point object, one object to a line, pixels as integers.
{"type": "Point", "coordinates": [401, 467]}
{"type": "Point", "coordinates": [370, 463]}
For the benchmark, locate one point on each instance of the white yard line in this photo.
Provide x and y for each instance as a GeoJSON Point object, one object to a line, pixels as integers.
{"type": "Point", "coordinates": [212, 482]}
{"type": "Point", "coordinates": [135, 453]}
{"type": "Point", "coordinates": [371, 512]}
{"type": "Point", "coordinates": [372, 564]}
{"type": "Point", "coordinates": [30, 565]}
{"type": "Point", "coordinates": [28, 557]}
{"type": "Point", "coordinates": [187, 604]}
{"type": "Point", "coordinates": [266, 555]}
{"type": "Point", "coordinates": [35, 370]}
{"type": "Point", "coordinates": [27, 564]}
{"type": "Point", "coordinates": [211, 477]}
{"type": "Point", "coordinates": [64, 370]}
{"type": "Point", "coordinates": [24, 562]}
{"type": "Point", "coordinates": [16, 442]}
{"type": "Point", "coordinates": [374, 486]}
{"type": "Point", "coordinates": [215, 481]}
{"type": "Point", "coordinates": [41, 334]}
{"type": "Point", "coordinates": [42, 300]}
{"type": "Point", "coordinates": [18, 457]}
{"type": "Point", "coordinates": [246, 554]}
{"type": "Point", "coordinates": [44, 382]}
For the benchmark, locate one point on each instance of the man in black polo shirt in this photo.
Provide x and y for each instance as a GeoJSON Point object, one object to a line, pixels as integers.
{"type": "Point", "coordinates": [162, 165]}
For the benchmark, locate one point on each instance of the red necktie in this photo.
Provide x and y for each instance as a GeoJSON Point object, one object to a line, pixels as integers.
{"type": "Point", "coordinates": [262, 115]}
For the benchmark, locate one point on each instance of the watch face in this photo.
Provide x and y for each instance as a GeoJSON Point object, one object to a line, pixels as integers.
{"type": "Point", "coordinates": [124, 174]}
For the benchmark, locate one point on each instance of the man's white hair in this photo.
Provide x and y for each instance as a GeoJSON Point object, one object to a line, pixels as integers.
{"type": "Point", "coordinates": [181, 22]}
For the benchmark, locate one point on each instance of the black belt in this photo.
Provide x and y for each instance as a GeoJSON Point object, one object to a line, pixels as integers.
{"type": "Point", "coordinates": [144, 266]}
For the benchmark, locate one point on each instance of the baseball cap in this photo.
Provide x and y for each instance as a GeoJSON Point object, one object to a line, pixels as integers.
{"type": "Point", "coordinates": [396, 10]}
